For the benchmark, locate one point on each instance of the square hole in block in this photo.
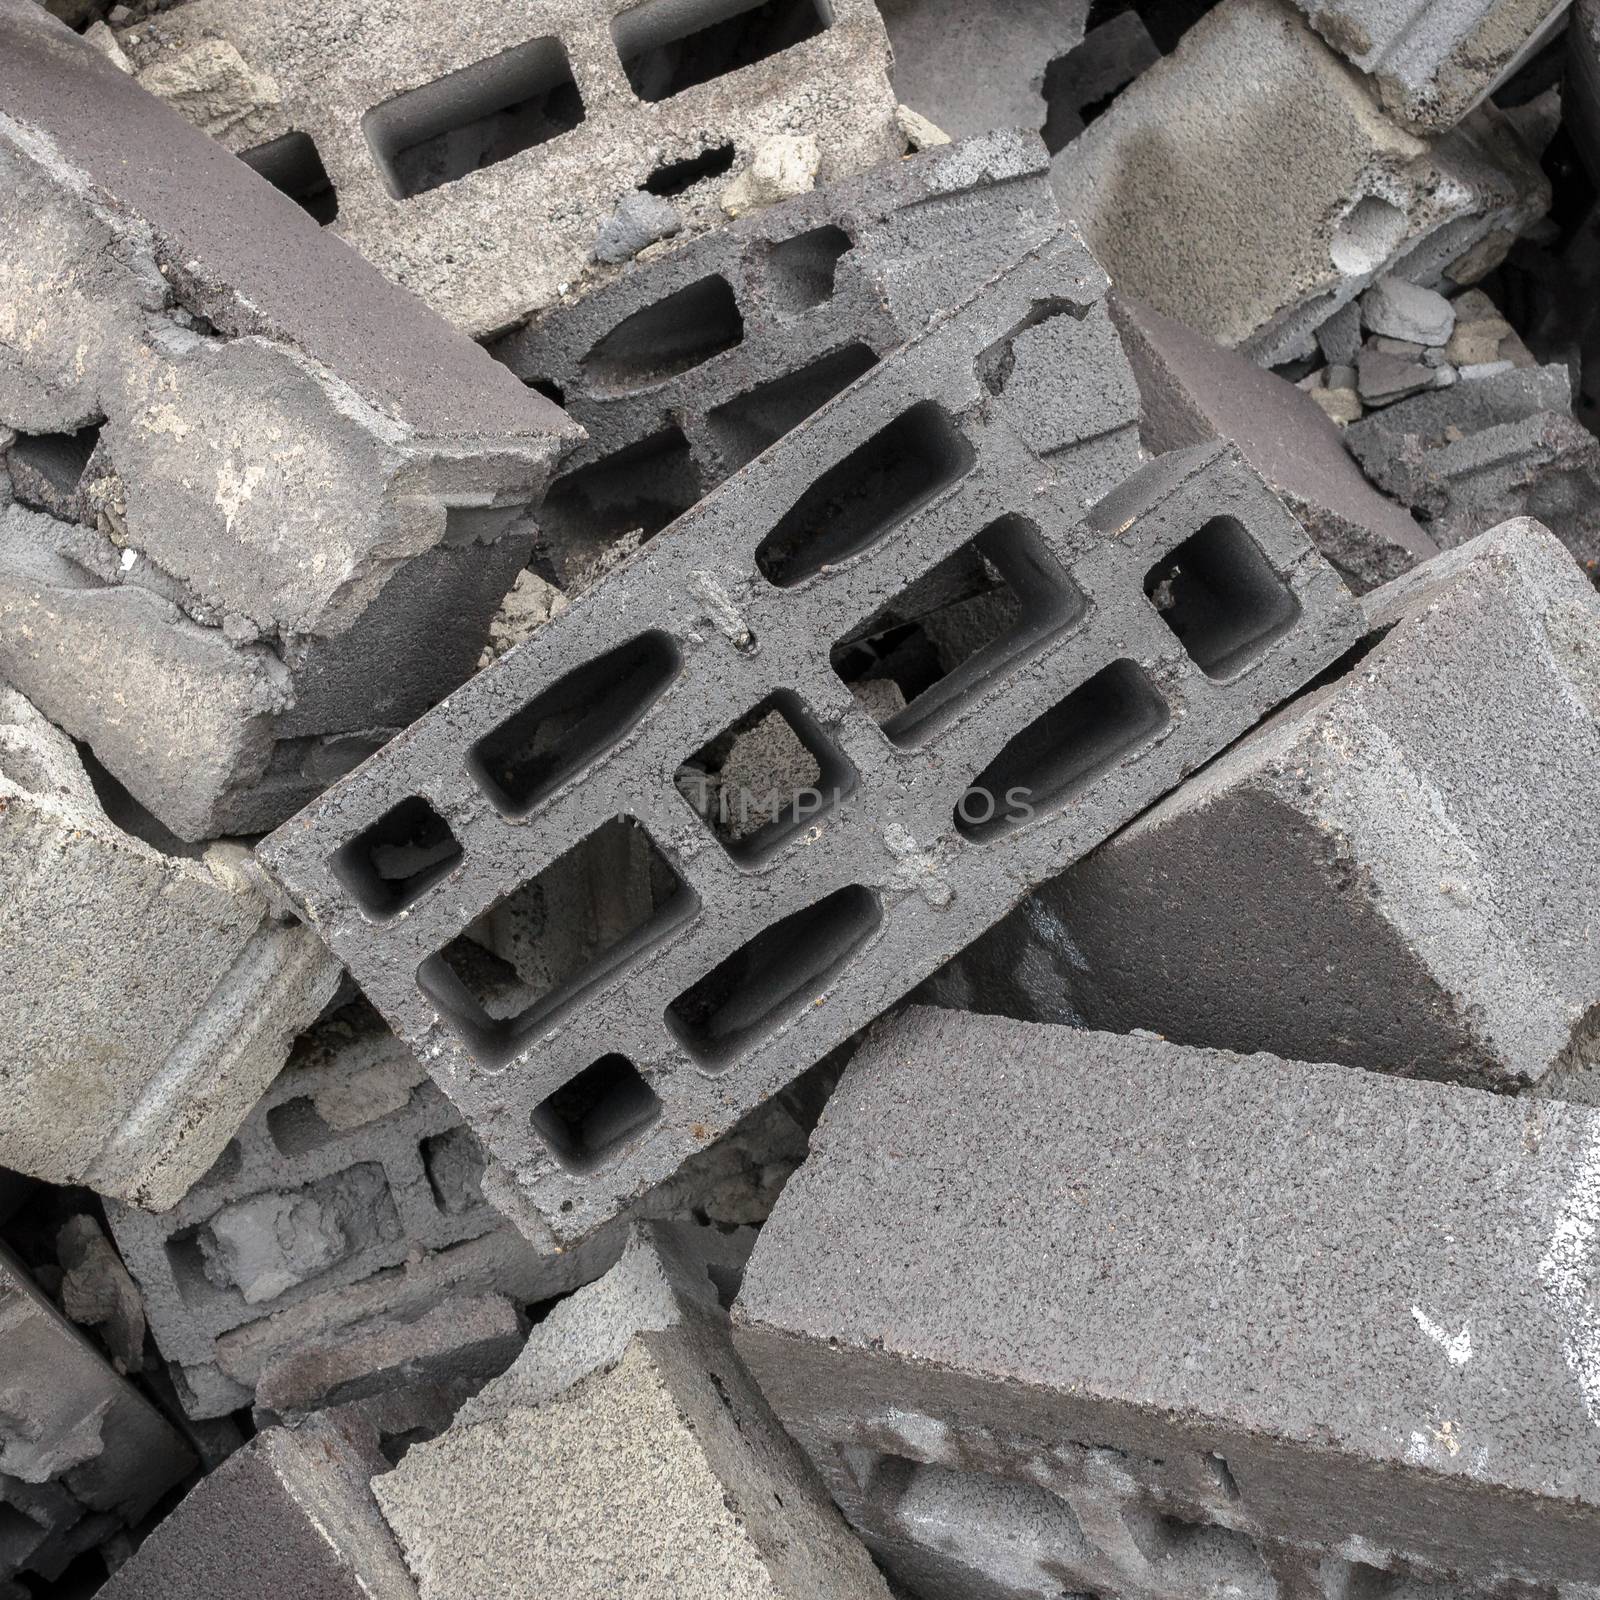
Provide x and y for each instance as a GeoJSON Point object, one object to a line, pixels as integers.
{"type": "Point", "coordinates": [658, 341]}
{"type": "Point", "coordinates": [584, 918]}
{"type": "Point", "coordinates": [668, 46]}
{"type": "Point", "coordinates": [592, 1117]}
{"type": "Point", "coordinates": [764, 778]}
{"type": "Point", "coordinates": [294, 165]}
{"type": "Point", "coordinates": [800, 271]}
{"type": "Point", "coordinates": [474, 118]}
{"type": "Point", "coordinates": [454, 1162]}
{"type": "Point", "coordinates": [392, 863]}
{"type": "Point", "coordinates": [872, 491]}
{"type": "Point", "coordinates": [1217, 592]}
{"type": "Point", "coordinates": [781, 971]}
{"type": "Point", "coordinates": [1061, 753]}
{"type": "Point", "coordinates": [743, 428]}
{"type": "Point", "coordinates": [961, 625]}
{"type": "Point", "coordinates": [562, 729]}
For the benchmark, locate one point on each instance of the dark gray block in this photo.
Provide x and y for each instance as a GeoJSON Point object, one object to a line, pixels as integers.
{"type": "Point", "coordinates": [632, 983]}
{"type": "Point", "coordinates": [1226, 1325]}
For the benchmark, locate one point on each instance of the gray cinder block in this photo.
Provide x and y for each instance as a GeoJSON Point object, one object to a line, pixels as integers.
{"type": "Point", "coordinates": [1226, 1325]}
{"type": "Point", "coordinates": [82, 1453]}
{"type": "Point", "coordinates": [690, 366]}
{"type": "Point", "coordinates": [479, 158]}
{"type": "Point", "coordinates": [602, 979]}
{"type": "Point", "coordinates": [151, 998]}
{"type": "Point", "coordinates": [626, 1452]}
{"type": "Point", "coordinates": [257, 504]}
{"type": "Point", "coordinates": [1406, 822]}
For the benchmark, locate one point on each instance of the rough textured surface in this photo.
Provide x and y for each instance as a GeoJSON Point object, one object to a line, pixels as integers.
{"type": "Point", "coordinates": [491, 220]}
{"type": "Point", "coordinates": [687, 976]}
{"type": "Point", "coordinates": [628, 1397]}
{"type": "Point", "coordinates": [257, 505]}
{"type": "Point", "coordinates": [1227, 1326]}
{"type": "Point", "coordinates": [81, 1452]}
{"type": "Point", "coordinates": [153, 996]}
{"type": "Point", "coordinates": [1394, 909]}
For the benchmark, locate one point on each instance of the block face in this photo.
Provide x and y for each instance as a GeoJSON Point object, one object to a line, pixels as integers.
{"type": "Point", "coordinates": [893, 840]}
{"type": "Point", "coordinates": [1398, 1373]}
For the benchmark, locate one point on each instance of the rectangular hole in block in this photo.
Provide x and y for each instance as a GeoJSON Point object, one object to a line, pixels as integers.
{"type": "Point", "coordinates": [873, 490]}
{"type": "Point", "coordinates": [659, 341]}
{"type": "Point", "coordinates": [668, 46]}
{"type": "Point", "coordinates": [393, 862]}
{"type": "Point", "coordinates": [47, 469]}
{"type": "Point", "coordinates": [765, 778]}
{"type": "Point", "coordinates": [774, 975]}
{"type": "Point", "coordinates": [537, 950]}
{"type": "Point", "coordinates": [616, 504]}
{"type": "Point", "coordinates": [297, 1128]}
{"type": "Point", "coordinates": [1218, 594]}
{"type": "Point", "coordinates": [596, 1115]}
{"type": "Point", "coordinates": [454, 1162]}
{"type": "Point", "coordinates": [1059, 754]}
{"type": "Point", "coordinates": [674, 177]}
{"type": "Point", "coordinates": [800, 271]}
{"type": "Point", "coordinates": [962, 624]}
{"type": "Point", "coordinates": [474, 118]}
{"type": "Point", "coordinates": [294, 165]}
{"type": "Point", "coordinates": [560, 731]}
{"type": "Point", "coordinates": [743, 428]}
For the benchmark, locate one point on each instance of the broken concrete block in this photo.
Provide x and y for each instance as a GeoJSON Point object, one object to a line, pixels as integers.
{"type": "Point", "coordinates": [584, 962]}
{"type": "Point", "coordinates": [162, 992]}
{"type": "Point", "coordinates": [1400, 310]}
{"type": "Point", "coordinates": [1167, 185]}
{"type": "Point", "coordinates": [82, 1453]}
{"type": "Point", "coordinates": [289, 1514]}
{"type": "Point", "coordinates": [1192, 389]}
{"type": "Point", "coordinates": [96, 1292]}
{"type": "Point", "coordinates": [1406, 822]}
{"type": "Point", "coordinates": [628, 1398]}
{"type": "Point", "coordinates": [690, 366]}
{"type": "Point", "coordinates": [782, 168]}
{"type": "Point", "coordinates": [257, 505]}
{"type": "Point", "coordinates": [476, 159]}
{"type": "Point", "coordinates": [1226, 1326]}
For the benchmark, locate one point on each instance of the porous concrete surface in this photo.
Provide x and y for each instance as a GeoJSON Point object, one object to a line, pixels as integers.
{"type": "Point", "coordinates": [1013, 415]}
{"type": "Point", "coordinates": [82, 1453]}
{"type": "Point", "coordinates": [153, 996]}
{"type": "Point", "coordinates": [510, 236]}
{"type": "Point", "coordinates": [289, 497]}
{"type": "Point", "coordinates": [1167, 185]}
{"type": "Point", "coordinates": [1223, 1309]}
{"type": "Point", "coordinates": [1393, 909]}
{"type": "Point", "coordinates": [628, 1396]}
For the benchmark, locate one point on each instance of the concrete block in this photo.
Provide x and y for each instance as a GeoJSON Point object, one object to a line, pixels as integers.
{"type": "Point", "coordinates": [1227, 1325]}
{"type": "Point", "coordinates": [602, 980]}
{"type": "Point", "coordinates": [478, 159]}
{"type": "Point", "coordinates": [82, 1453]}
{"type": "Point", "coordinates": [691, 365]}
{"type": "Point", "coordinates": [1167, 185]}
{"type": "Point", "coordinates": [1192, 389]}
{"type": "Point", "coordinates": [258, 504]}
{"type": "Point", "coordinates": [1406, 822]}
{"type": "Point", "coordinates": [162, 992]}
{"type": "Point", "coordinates": [626, 1452]}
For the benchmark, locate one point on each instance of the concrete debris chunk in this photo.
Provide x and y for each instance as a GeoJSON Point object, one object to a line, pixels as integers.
{"type": "Point", "coordinates": [1400, 310]}
{"type": "Point", "coordinates": [1226, 1326]}
{"type": "Point", "coordinates": [257, 505]}
{"type": "Point", "coordinates": [155, 996]}
{"type": "Point", "coordinates": [96, 1292]}
{"type": "Point", "coordinates": [628, 1397]}
{"type": "Point", "coordinates": [1143, 636]}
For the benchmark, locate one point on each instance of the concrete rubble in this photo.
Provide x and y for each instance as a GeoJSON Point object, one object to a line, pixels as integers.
{"type": "Point", "coordinates": [672, 675]}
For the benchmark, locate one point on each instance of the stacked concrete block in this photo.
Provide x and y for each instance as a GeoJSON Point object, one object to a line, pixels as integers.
{"type": "Point", "coordinates": [628, 1398]}
{"type": "Point", "coordinates": [603, 978]}
{"type": "Point", "coordinates": [151, 997]}
{"type": "Point", "coordinates": [690, 366]}
{"type": "Point", "coordinates": [1167, 185]}
{"type": "Point", "coordinates": [82, 1454]}
{"type": "Point", "coordinates": [1226, 1326]}
{"type": "Point", "coordinates": [1415, 893]}
{"type": "Point", "coordinates": [257, 504]}
{"type": "Point", "coordinates": [481, 160]}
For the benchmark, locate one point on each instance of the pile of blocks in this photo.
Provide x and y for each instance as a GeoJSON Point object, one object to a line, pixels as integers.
{"type": "Point", "coordinates": [796, 800]}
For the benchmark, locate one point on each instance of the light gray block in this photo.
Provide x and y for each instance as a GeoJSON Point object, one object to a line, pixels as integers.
{"type": "Point", "coordinates": [1226, 1325]}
